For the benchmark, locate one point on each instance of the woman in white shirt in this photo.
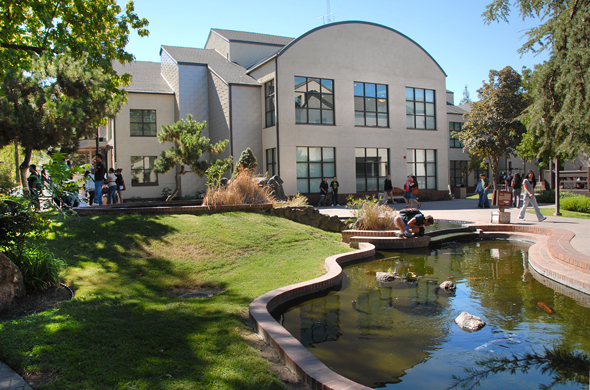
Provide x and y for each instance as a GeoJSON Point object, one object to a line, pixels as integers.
{"type": "Point", "coordinates": [112, 183]}
{"type": "Point", "coordinates": [528, 185]}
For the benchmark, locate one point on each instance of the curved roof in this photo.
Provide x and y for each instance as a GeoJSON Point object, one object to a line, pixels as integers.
{"type": "Point", "coordinates": [287, 47]}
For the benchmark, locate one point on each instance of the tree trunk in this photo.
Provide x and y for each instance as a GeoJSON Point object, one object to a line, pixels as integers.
{"type": "Point", "coordinates": [178, 174]}
{"type": "Point", "coordinates": [24, 167]}
{"type": "Point", "coordinates": [17, 170]}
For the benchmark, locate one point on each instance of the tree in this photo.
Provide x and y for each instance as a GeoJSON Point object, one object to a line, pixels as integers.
{"type": "Point", "coordinates": [247, 161]}
{"type": "Point", "coordinates": [493, 129]}
{"type": "Point", "coordinates": [558, 119]}
{"type": "Point", "coordinates": [55, 103]}
{"type": "Point", "coordinates": [466, 99]}
{"type": "Point", "coordinates": [189, 146]}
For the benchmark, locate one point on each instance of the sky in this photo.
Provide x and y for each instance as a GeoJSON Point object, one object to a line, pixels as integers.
{"type": "Point", "coordinates": [451, 31]}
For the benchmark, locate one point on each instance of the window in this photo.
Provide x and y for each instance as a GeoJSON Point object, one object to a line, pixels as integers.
{"type": "Point", "coordinates": [142, 171]}
{"type": "Point", "coordinates": [372, 166]}
{"type": "Point", "coordinates": [422, 164]}
{"type": "Point", "coordinates": [142, 123]}
{"type": "Point", "coordinates": [314, 100]}
{"type": "Point", "coordinates": [312, 165]}
{"type": "Point", "coordinates": [269, 103]}
{"type": "Point", "coordinates": [455, 126]}
{"type": "Point", "coordinates": [271, 161]}
{"type": "Point", "coordinates": [370, 105]}
{"type": "Point", "coordinates": [458, 171]}
{"type": "Point", "coordinates": [420, 109]}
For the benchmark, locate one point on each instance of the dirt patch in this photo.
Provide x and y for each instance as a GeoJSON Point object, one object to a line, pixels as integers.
{"type": "Point", "coordinates": [205, 291]}
{"type": "Point", "coordinates": [36, 302]}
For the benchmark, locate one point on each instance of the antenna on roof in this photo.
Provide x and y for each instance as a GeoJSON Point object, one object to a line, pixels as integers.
{"type": "Point", "coordinates": [329, 16]}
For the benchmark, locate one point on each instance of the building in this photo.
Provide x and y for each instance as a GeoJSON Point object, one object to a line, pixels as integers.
{"type": "Point", "coordinates": [355, 100]}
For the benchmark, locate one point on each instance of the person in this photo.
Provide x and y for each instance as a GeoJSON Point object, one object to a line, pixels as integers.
{"type": "Point", "coordinates": [516, 190]}
{"type": "Point", "coordinates": [44, 175]}
{"type": "Point", "coordinates": [529, 197]}
{"type": "Point", "coordinates": [388, 189]}
{"type": "Point", "coordinates": [120, 183]}
{"type": "Point", "coordinates": [112, 184]}
{"type": "Point", "coordinates": [414, 192]}
{"type": "Point", "coordinates": [509, 180]}
{"type": "Point", "coordinates": [410, 222]}
{"type": "Point", "coordinates": [35, 186]}
{"type": "Point", "coordinates": [407, 190]}
{"type": "Point", "coordinates": [484, 185]}
{"type": "Point", "coordinates": [323, 191]}
{"type": "Point", "coordinates": [99, 173]}
{"type": "Point", "coordinates": [334, 188]}
{"type": "Point", "coordinates": [89, 177]}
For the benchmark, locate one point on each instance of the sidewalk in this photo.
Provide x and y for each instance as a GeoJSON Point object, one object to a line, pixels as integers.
{"type": "Point", "coordinates": [467, 210]}
{"type": "Point", "coordinates": [10, 380]}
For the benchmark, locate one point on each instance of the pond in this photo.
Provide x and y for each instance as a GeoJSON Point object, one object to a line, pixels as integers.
{"type": "Point", "coordinates": [402, 334]}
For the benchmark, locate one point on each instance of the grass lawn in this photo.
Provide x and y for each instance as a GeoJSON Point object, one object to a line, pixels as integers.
{"type": "Point", "coordinates": [127, 329]}
{"type": "Point", "coordinates": [564, 213]}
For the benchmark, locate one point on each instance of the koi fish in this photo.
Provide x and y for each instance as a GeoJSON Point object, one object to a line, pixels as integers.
{"type": "Point", "coordinates": [545, 307]}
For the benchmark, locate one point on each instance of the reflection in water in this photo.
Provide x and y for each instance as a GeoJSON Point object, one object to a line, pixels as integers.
{"type": "Point", "coordinates": [402, 334]}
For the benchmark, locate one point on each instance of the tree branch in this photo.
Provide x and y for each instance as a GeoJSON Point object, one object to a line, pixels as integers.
{"type": "Point", "coordinates": [37, 50]}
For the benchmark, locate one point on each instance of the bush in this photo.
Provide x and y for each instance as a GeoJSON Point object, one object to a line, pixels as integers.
{"type": "Point", "coordinates": [371, 215]}
{"type": "Point", "coordinates": [19, 223]}
{"type": "Point", "coordinates": [545, 196]}
{"type": "Point", "coordinates": [579, 203]}
{"type": "Point", "coordinates": [40, 267]}
{"type": "Point", "coordinates": [292, 201]}
{"type": "Point", "coordinates": [243, 189]}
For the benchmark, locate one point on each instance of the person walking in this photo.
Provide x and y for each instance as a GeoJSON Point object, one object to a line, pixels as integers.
{"type": "Point", "coordinates": [414, 193]}
{"type": "Point", "coordinates": [407, 190]}
{"type": "Point", "coordinates": [334, 188]}
{"type": "Point", "coordinates": [35, 186]}
{"type": "Point", "coordinates": [89, 177]}
{"type": "Point", "coordinates": [112, 184]}
{"type": "Point", "coordinates": [323, 192]}
{"type": "Point", "coordinates": [485, 185]}
{"type": "Point", "coordinates": [529, 197]}
{"type": "Point", "coordinates": [388, 189]}
{"type": "Point", "coordinates": [99, 173]}
{"type": "Point", "coordinates": [120, 183]}
{"type": "Point", "coordinates": [516, 191]}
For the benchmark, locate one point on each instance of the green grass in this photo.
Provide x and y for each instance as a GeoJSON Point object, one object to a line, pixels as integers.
{"type": "Point", "coordinates": [127, 330]}
{"type": "Point", "coordinates": [564, 213]}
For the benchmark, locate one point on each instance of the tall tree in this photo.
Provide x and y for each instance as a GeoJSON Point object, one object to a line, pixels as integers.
{"type": "Point", "coordinates": [493, 128]}
{"type": "Point", "coordinates": [559, 117]}
{"type": "Point", "coordinates": [188, 147]}
{"type": "Point", "coordinates": [466, 99]}
{"type": "Point", "coordinates": [53, 104]}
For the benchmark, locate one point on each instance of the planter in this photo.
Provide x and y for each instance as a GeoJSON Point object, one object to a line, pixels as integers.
{"type": "Point", "coordinates": [500, 217]}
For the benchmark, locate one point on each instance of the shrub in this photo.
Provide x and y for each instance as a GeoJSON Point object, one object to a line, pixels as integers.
{"type": "Point", "coordinates": [546, 196]}
{"type": "Point", "coordinates": [292, 201]}
{"type": "Point", "coordinates": [579, 203]}
{"type": "Point", "coordinates": [243, 189]}
{"type": "Point", "coordinates": [18, 222]}
{"type": "Point", "coordinates": [40, 267]}
{"type": "Point", "coordinates": [371, 215]}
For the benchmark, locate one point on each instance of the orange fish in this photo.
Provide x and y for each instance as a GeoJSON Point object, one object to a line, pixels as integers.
{"type": "Point", "coordinates": [545, 307]}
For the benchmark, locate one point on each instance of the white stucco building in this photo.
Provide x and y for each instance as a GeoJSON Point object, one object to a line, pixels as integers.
{"type": "Point", "coordinates": [353, 99]}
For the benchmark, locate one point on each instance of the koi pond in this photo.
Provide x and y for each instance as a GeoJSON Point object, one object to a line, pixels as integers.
{"type": "Point", "coordinates": [402, 334]}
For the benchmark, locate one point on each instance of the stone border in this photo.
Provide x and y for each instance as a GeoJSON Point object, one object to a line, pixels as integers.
{"type": "Point", "coordinates": [552, 256]}
{"type": "Point", "coordinates": [169, 209]}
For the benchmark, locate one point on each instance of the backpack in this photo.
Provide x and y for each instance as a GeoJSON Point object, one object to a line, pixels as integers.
{"type": "Point", "coordinates": [408, 213]}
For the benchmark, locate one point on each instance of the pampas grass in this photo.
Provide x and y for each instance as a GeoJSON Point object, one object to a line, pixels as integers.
{"type": "Point", "coordinates": [371, 215]}
{"type": "Point", "coordinates": [243, 189]}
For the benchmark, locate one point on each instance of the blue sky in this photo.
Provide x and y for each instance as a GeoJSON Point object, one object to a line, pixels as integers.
{"type": "Point", "coordinates": [452, 31]}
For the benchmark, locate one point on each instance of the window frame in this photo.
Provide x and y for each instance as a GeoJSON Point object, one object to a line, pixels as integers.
{"type": "Point", "coordinates": [269, 103]}
{"type": "Point", "coordinates": [454, 142]}
{"type": "Point", "coordinates": [377, 167]}
{"type": "Point", "coordinates": [413, 165]}
{"type": "Point", "coordinates": [314, 93]}
{"type": "Point", "coordinates": [143, 184]}
{"type": "Point", "coordinates": [415, 105]}
{"type": "Point", "coordinates": [458, 172]}
{"type": "Point", "coordinates": [271, 163]}
{"type": "Point", "coordinates": [366, 96]}
{"type": "Point", "coordinates": [323, 163]}
{"type": "Point", "coordinates": [143, 123]}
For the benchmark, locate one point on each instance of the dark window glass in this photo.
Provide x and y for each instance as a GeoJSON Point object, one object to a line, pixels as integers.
{"type": "Point", "coordinates": [372, 166]}
{"type": "Point", "coordinates": [454, 140]}
{"type": "Point", "coordinates": [314, 100]}
{"type": "Point", "coordinates": [269, 103]}
{"type": "Point", "coordinates": [422, 164]}
{"type": "Point", "coordinates": [271, 161]}
{"type": "Point", "coordinates": [142, 171]}
{"type": "Point", "coordinates": [313, 164]}
{"type": "Point", "coordinates": [142, 123]}
{"type": "Point", "coordinates": [368, 101]}
{"type": "Point", "coordinates": [458, 172]}
{"type": "Point", "coordinates": [420, 109]}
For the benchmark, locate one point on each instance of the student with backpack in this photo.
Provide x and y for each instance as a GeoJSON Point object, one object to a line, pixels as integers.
{"type": "Point", "coordinates": [412, 222]}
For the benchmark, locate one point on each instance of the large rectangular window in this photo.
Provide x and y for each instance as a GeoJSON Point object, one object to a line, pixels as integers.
{"type": "Point", "coordinates": [269, 103]}
{"type": "Point", "coordinates": [142, 123]}
{"type": "Point", "coordinates": [372, 166]}
{"type": "Point", "coordinates": [370, 105]}
{"type": "Point", "coordinates": [422, 164]}
{"type": "Point", "coordinates": [455, 142]}
{"type": "Point", "coordinates": [420, 108]}
{"type": "Point", "coordinates": [142, 171]}
{"type": "Point", "coordinates": [313, 164]}
{"type": "Point", "coordinates": [271, 161]}
{"type": "Point", "coordinates": [458, 172]}
{"type": "Point", "coordinates": [314, 100]}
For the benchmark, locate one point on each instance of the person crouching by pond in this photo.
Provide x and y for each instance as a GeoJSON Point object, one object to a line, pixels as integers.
{"type": "Point", "coordinates": [410, 225]}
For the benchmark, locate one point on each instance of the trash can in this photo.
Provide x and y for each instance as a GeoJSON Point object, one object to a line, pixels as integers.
{"type": "Point", "coordinates": [460, 192]}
